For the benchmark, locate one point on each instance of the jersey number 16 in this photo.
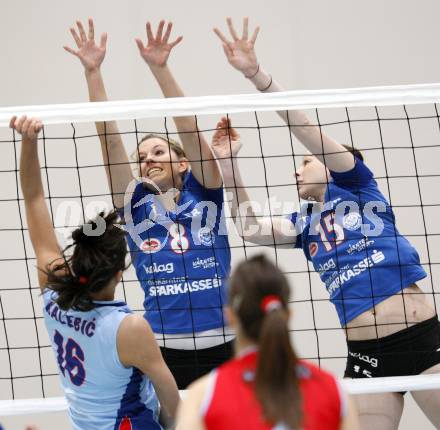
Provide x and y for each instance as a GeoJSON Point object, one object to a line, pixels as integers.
{"type": "Point", "coordinates": [70, 359]}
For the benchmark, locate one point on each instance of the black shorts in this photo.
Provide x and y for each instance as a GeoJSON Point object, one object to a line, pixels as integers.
{"type": "Point", "coordinates": [407, 352]}
{"type": "Point", "coordinates": [188, 365]}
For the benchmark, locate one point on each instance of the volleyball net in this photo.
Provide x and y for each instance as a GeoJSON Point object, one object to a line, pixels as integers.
{"type": "Point", "coordinates": [396, 128]}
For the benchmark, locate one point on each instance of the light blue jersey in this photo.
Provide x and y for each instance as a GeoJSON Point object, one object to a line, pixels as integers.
{"type": "Point", "coordinates": [355, 246]}
{"type": "Point", "coordinates": [101, 393]}
{"type": "Point", "coordinates": [182, 258]}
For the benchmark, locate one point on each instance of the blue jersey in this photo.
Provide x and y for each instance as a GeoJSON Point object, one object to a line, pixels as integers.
{"type": "Point", "coordinates": [182, 259]}
{"type": "Point", "coordinates": [354, 244]}
{"type": "Point", "coordinates": [101, 393]}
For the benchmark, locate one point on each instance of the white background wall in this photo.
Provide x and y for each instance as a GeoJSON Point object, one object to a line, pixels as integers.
{"type": "Point", "coordinates": [305, 45]}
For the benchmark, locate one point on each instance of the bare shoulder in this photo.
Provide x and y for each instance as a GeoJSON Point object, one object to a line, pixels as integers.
{"type": "Point", "coordinates": [199, 387]}
{"type": "Point", "coordinates": [134, 322]}
{"type": "Point", "coordinates": [133, 328]}
{"type": "Point", "coordinates": [136, 343]}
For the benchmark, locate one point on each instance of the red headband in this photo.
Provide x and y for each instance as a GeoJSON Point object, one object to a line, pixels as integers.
{"type": "Point", "coordinates": [83, 280]}
{"type": "Point", "coordinates": [270, 303]}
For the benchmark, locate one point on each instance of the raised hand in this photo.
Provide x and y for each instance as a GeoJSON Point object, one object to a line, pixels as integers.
{"type": "Point", "coordinates": [90, 54]}
{"type": "Point", "coordinates": [225, 141]}
{"type": "Point", "coordinates": [240, 51]}
{"type": "Point", "coordinates": [158, 48]}
{"type": "Point", "coordinates": [27, 127]}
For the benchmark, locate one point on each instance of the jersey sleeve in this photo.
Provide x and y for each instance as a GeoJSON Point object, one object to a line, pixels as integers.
{"type": "Point", "coordinates": [293, 218]}
{"type": "Point", "coordinates": [132, 207]}
{"type": "Point", "coordinates": [359, 176]}
{"type": "Point", "coordinates": [209, 194]}
{"type": "Point", "coordinates": [209, 393]}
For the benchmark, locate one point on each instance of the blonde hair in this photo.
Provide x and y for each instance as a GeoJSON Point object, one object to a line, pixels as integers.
{"type": "Point", "coordinates": [173, 145]}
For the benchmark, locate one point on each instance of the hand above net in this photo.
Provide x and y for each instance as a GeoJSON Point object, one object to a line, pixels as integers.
{"type": "Point", "coordinates": [27, 127]}
{"type": "Point", "coordinates": [240, 52]}
{"type": "Point", "coordinates": [225, 141]}
{"type": "Point", "coordinates": [158, 48]}
{"type": "Point", "coordinates": [89, 53]}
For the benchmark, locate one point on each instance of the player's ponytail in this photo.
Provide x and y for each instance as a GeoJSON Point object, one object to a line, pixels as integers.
{"type": "Point", "coordinates": [259, 296]}
{"type": "Point", "coordinates": [94, 263]}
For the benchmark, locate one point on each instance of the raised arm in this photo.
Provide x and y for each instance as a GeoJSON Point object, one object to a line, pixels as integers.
{"type": "Point", "coordinates": [137, 347]}
{"type": "Point", "coordinates": [38, 219]}
{"type": "Point", "coordinates": [268, 231]}
{"type": "Point", "coordinates": [91, 55]}
{"type": "Point", "coordinates": [240, 52]}
{"type": "Point", "coordinates": [156, 53]}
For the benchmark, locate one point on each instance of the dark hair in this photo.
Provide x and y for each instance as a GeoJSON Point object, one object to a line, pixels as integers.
{"type": "Point", "coordinates": [356, 152]}
{"type": "Point", "coordinates": [93, 264]}
{"type": "Point", "coordinates": [276, 381]}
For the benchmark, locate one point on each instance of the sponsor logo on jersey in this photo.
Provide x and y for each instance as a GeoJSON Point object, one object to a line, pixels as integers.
{"type": "Point", "coordinates": [345, 275]}
{"type": "Point", "coordinates": [329, 264]}
{"type": "Point", "coordinates": [194, 213]}
{"type": "Point", "coordinates": [370, 360]}
{"type": "Point", "coordinates": [159, 268]}
{"type": "Point", "coordinates": [364, 243]}
{"type": "Point", "coordinates": [206, 236]}
{"type": "Point", "coordinates": [313, 249]}
{"type": "Point", "coordinates": [150, 246]}
{"type": "Point", "coordinates": [377, 256]}
{"type": "Point", "coordinates": [352, 221]}
{"type": "Point", "coordinates": [205, 263]}
{"type": "Point", "coordinates": [184, 287]}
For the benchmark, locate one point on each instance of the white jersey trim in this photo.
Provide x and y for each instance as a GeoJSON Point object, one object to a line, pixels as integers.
{"type": "Point", "coordinates": [343, 400]}
{"type": "Point", "coordinates": [199, 340]}
{"type": "Point", "coordinates": [209, 393]}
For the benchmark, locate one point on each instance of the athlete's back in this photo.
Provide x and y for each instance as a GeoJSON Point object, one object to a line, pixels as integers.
{"type": "Point", "coordinates": [232, 402]}
{"type": "Point", "coordinates": [101, 392]}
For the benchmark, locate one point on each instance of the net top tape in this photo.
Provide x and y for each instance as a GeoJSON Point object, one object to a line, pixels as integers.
{"type": "Point", "coordinates": [156, 108]}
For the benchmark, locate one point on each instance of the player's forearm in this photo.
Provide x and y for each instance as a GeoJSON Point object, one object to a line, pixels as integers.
{"type": "Point", "coordinates": [229, 184]}
{"type": "Point", "coordinates": [296, 119]}
{"type": "Point", "coordinates": [95, 85]}
{"type": "Point", "coordinates": [241, 205]}
{"type": "Point", "coordinates": [311, 136]}
{"type": "Point", "coordinates": [97, 93]}
{"type": "Point", "coordinates": [30, 174]}
{"type": "Point", "coordinates": [166, 81]}
{"type": "Point", "coordinates": [168, 396]}
{"type": "Point", "coordinates": [117, 168]}
{"type": "Point", "coordinates": [196, 148]}
{"type": "Point", "coordinates": [170, 88]}
{"type": "Point", "coordinates": [114, 155]}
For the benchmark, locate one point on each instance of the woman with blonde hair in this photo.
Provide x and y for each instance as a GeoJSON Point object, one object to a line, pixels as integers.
{"type": "Point", "coordinates": [173, 211]}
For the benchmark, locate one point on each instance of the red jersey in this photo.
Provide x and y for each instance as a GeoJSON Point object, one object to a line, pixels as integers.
{"type": "Point", "coordinates": [231, 403]}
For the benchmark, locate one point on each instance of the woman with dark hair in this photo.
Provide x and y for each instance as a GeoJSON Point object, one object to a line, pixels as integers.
{"type": "Point", "coordinates": [110, 365]}
{"type": "Point", "coordinates": [348, 231]}
{"type": "Point", "coordinates": [265, 386]}
{"type": "Point", "coordinates": [177, 235]}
